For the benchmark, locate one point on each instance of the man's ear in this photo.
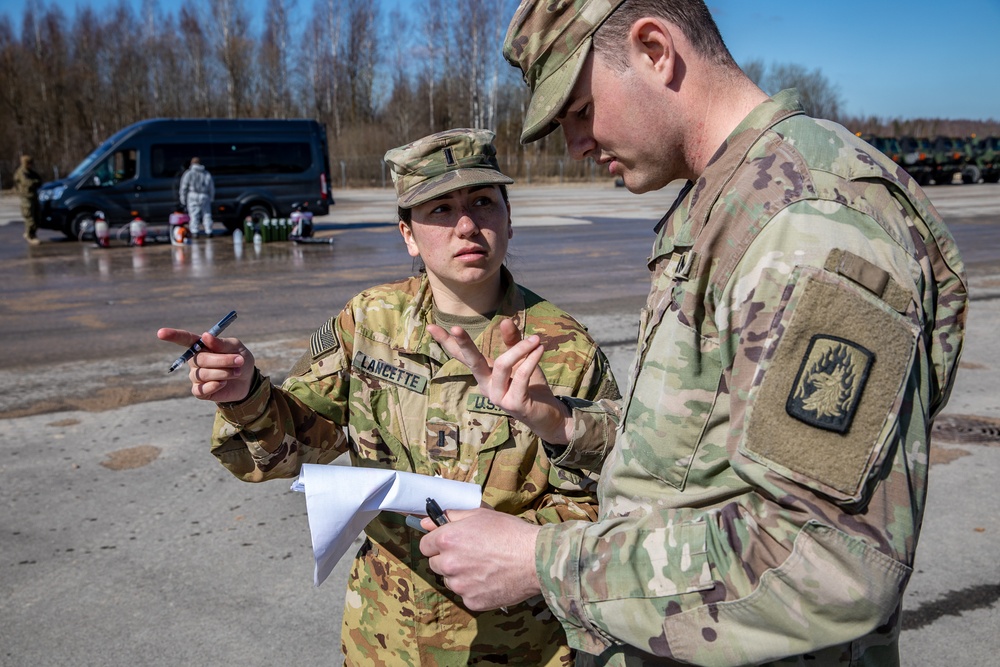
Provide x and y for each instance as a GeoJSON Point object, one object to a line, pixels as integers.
{"type": "Point", "coordinates": [411, 243]}
{"type": "Point", "coordinates": [651, 43]}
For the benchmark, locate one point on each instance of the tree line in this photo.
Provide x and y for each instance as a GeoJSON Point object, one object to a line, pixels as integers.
{"type": "Point", "coordinates": [375, 76]}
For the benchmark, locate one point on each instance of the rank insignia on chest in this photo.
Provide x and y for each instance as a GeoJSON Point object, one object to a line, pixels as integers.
{"type": "Point", "coordinates": [384, 370]}
{"type": "Point", "coordinates": [442, 441]}
{"type": "Point", "coordinates": [827, 389]}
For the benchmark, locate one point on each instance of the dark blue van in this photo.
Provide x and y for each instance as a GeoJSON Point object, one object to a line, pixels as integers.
{"type": "Point", "coordinates": [260, 167]}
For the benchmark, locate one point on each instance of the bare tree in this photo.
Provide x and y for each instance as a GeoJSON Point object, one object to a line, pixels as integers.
{"type": "Point", "coordinates": [236, 53]}
{"type": "Point", "coordinates": [820, 98]}
{"type": "Point", "coordinates": [359, 57]}
{"type": "Point", "coordinates": [275, 49]}
{"type": "Point", "coordinates": [755, 70]}
{"type": "Point", "coordinates": [321, 39]}
{"type": "Point", "coordinates": [402, 108]}
{"type": "Point", "coordinates": [480, 30]}
{"type": "Point", "coordinates": [309, 65]}
{"type": "Point", "coordinates": [198, 79]}
{"type": "Point", "coordinates": [89, 89]}
{"type": "Point", "coordinates": [435, 51]}
{"type": "Point", "coordinates": [9, 61]}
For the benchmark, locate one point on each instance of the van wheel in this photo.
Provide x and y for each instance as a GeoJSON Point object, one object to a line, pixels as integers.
{"type": "Point", "coordinates": [81, 223]}
{"type": "Point", "coordinates": [259, 213]}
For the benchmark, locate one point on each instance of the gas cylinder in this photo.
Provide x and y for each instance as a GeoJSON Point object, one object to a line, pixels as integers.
{"type": "Point", "coordinates": [137, 231]}
{"type": "Point", "coordinates": [101, 232]}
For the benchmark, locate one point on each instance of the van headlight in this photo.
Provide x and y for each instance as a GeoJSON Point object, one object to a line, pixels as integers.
{"type": "Point", "coordinates": [51, 194]}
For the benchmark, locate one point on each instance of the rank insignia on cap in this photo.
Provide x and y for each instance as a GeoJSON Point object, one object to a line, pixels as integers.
{"type": "Point", "coordinates": [827, 389]}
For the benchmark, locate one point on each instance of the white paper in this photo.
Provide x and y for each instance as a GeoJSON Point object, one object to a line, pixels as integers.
{"type": "Point", "coordinates": [341, 500]}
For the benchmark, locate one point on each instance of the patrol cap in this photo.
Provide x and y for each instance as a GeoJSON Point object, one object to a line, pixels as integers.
{"type": "Point", "coordinates": [443, 162]}
{"type": "Point", "coordinates": [549, 41]}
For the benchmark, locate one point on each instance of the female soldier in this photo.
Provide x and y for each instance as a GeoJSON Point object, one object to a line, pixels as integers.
{"type": "Point", "coordinates": [407, 405]}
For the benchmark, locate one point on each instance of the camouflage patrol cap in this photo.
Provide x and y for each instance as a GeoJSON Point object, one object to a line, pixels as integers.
{"type": "Point", "coordinates": [549, 41]}
{"type": "Point", "coordinates": [443, 162]}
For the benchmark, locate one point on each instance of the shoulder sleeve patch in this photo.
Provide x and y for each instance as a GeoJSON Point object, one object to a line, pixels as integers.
{"type": "Point", "coordinates": [830, 386]}
{"type": "Point", "coordinates": [827, 389]}
{"type": "Point", "coordinates": [323, 340]}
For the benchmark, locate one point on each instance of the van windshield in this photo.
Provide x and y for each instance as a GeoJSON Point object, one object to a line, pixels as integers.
{"type": "Point", "coordinates": [88, 161]}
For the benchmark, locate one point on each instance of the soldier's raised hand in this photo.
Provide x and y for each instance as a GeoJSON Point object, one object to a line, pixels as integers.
{"type": "Point", "coordinates": [513, 381]}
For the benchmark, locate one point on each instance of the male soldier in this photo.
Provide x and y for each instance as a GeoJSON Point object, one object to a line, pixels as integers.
{"type": "Point", "coordinates": [197, 193]}
{"type": "Point", "coordinates": [803, 328]}
{"type": "Point", "coordinates": [26, 183]}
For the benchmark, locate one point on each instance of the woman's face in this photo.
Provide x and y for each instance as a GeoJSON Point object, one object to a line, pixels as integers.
{"type": "Point", "coordinates": [461, 236]}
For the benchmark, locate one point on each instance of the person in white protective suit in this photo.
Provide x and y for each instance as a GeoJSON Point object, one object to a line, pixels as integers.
{"type": "Point", "coordinates": [197, 193]}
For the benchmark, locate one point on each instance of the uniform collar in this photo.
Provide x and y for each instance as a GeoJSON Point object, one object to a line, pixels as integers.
{"type": "Point", "coordinates": [412, 336]}
{"type": "Point", "coordinates": [689, 212]}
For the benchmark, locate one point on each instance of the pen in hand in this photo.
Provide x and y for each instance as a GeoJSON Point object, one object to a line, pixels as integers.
{"type": "Point", "coordinates": [435, 512]}
{"type": "Point", "coordinates": [198, 344]}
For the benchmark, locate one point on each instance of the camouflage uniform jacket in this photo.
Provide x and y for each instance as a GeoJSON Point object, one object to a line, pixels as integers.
{"type": "Point", "coordinates": [375, 372]}
{"type": "Point", "coordinates": [764, 498]}
{"type": "Point", "coordinates": [26, 182]}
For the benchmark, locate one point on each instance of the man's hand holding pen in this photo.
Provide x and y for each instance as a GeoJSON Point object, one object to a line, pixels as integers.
{"type": "Point", "coordinates": [485, 556]}
{"type": "Point", "coordinates": [222, 371]}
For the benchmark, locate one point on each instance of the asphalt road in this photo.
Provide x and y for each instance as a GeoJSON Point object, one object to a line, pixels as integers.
{"type": "Point", "coordinates": [122, 542]}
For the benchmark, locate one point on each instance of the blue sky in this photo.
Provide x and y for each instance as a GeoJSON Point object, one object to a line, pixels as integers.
{"type": "Point", "coordinates": [887, 58]}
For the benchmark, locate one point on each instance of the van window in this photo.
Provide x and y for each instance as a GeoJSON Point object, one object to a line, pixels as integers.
{"type": "Point", "coordinates": [117, 167]}
{"type": "Point", "coordinates": [170, 160]}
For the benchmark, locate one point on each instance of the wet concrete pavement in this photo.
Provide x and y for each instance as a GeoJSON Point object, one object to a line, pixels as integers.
{"type": "Point", "coordinates": [122, 542]}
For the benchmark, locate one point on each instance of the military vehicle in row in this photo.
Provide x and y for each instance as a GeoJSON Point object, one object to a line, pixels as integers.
{"type": "Point", "coordinates": [941, 159]}
{"type": "Point", "coordinates": [984, 162]}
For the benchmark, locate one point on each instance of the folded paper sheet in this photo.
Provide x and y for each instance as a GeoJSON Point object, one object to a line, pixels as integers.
{"type": "Point", "coordinates": [341, 500]}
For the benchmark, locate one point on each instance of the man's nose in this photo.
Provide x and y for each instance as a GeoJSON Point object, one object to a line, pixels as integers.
{"type": "Point", "coordinates": [578, 142]}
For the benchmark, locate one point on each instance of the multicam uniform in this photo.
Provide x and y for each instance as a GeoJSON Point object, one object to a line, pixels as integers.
{"type": "Point", "coordinates": [766, 492]}
{"type": "Point", "coordinates": [26, 183]}
{"type": "Point", "coordinates": [407, 406]}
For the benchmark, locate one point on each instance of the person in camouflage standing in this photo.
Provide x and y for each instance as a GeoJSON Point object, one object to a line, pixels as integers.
{"type": "Point", "coordinates": [26, 183]}
{"type": "Point", "coordinates": [406, 405]}
{"type": "Point", "coordinates": [803, 328]}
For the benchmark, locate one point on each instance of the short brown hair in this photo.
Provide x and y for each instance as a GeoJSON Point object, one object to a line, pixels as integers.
{"type": "Point", "coordinates": [691, 16]}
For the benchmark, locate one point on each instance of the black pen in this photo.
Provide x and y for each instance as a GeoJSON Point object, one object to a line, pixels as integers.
{"type": "Point", "coordinates": [198, 344]}
{"type": "Point", "coordinates": [435, 512]}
